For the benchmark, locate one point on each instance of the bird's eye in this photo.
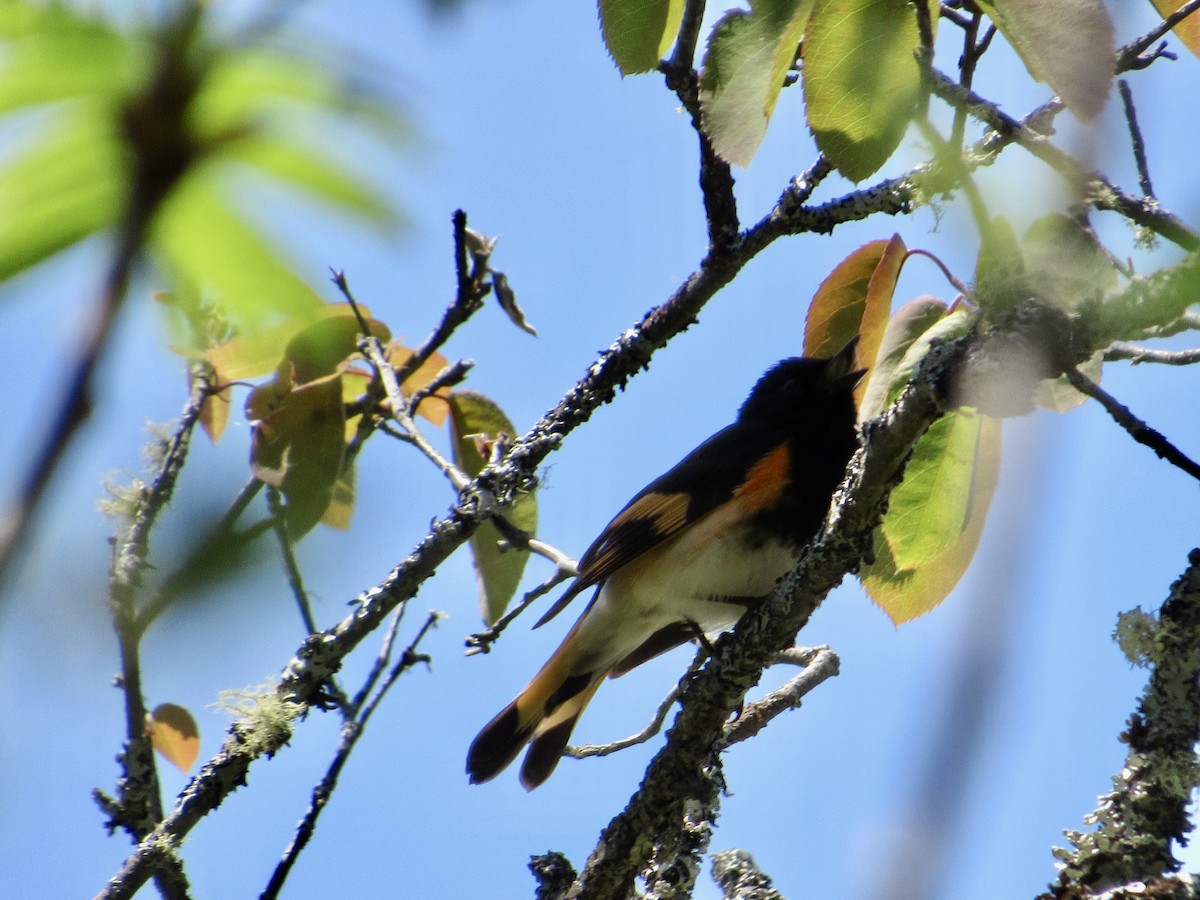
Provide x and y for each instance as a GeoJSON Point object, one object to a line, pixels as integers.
{"type": "Point", "coordinates": [789, 386]}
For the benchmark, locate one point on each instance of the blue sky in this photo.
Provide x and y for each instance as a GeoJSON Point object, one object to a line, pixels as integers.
{"type": "Point", "coordinates": [589, 180]}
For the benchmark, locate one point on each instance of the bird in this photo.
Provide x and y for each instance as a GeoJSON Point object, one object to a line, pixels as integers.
{"type": "Point", "coordinates": [690, 553]}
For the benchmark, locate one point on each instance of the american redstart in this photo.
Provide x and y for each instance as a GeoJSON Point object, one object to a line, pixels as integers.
{"type": "Point", "coordinates": [690, 553]}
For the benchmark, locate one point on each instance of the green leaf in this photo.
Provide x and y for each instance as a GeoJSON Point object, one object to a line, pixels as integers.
{"type": "Point", "coordinates": [861, 80]}
{"type": "Point", "coordinates": [749, 55]}
{"type": "Point", "coordinates": [638, 33]}
{"type": "Point", "coordinates": [1065, 261]}
{"type": "Point", "coordinates": [1069, 44]}
{"type": "Point", "coordinates": [855, 299]}
{"type": "Point", "coordinates": [325, 178]}
{"type": "Point", "coordinates": [476, 419]}
{"type": "Point", "coordinates": [935, 516]}
{"type": "Point", "coordinates": [212, 249]}
{"type": "Point", "coordinates": [68, 185]}
{"type": "Point", "coordinates": [929, 509]}
{"type": "Point", "coordinates": [1000, 281]}
{"type": "Point", "coordinates": [50, 53]}
{"type": "Point", "coordinates": [906, 326]}
{"type": "Point", "coordinates": [297, 446]}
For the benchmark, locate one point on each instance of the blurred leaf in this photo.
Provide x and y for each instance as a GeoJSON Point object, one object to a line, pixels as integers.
{"type": "Point", "coordinates": [132, 98]}
{"type": "Point", "coordinates": [1068, 44]}
{"type": "Point", "coordinates": [497, 574]}
{"type": "Point", "coordinates": [323, 347]}
{"type": "Point", "coordinates": [861, 80]}
{"type": "Point", "coordinates": [1065, 262]}
{"type": "Point", "coordinates": [1188, 30]}
{"type": "Point", "coordinates": [749, 55]}
{"type": "Point", "coordinates": [297, 446]}
{"type": "Point", "coordinates": [1000, 281]}
{"type": "Point", "coordinates": [211, 248]}
{"type": "Point", "coordinates": [249, 355]}
{"type": "Point", "coordinates": [1058, 395]}
{"type": "Point", "coordinates": [51, 53]}
{"type": "Point", "coordinates": [67, 185]}
{"type": "Point", "coordinates": [905, 327]}
{"type": "Point", "coordinates": [174, 734]}
{"type": "Point", "coordinates": [935, 517]}
{"type": "Point", "coordinates": [436, 407]}
{"type": "Point", "coordinates": [638, 33]}
{"type": "Point", "coordinates": [855, 299]}
{"type": "Point", "coordinates": [324, 177]}
{"type": "Point", "coordinates": [341, 505]}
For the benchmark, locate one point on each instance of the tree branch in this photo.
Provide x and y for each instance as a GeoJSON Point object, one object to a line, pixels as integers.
{"type": "Point", "coordinates": [1147, 808]}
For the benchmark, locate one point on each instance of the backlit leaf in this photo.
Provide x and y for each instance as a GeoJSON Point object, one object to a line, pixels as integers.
{"type": "Point", "coordinates": [51, 52]}
{"type": "Point", "coordinates": [174, 734]}
{"type": "Point", "coordinates": [855, 298]}
{"type": "Point", "coordinates": [207, 244]}
{"type": "Point", "coordinates": [298, 445]}
{"type": "Point", "coordinates": [1000, 278]}
{"type": "Point", "coordinates": [861, 80]}
{"type": "Point", "coordinates": [935, 516]}
{"type": "Point", "coordinates": [638, 33]}
{"type": "Point", "coordinates": [257, 352]}
{"type": "Point", "coordinates": [749, 55]}
{"type": "Point", "coordinates": [908, 323]}
{"type": "Point", "coordinates": [1069, 44]}
{"type": "Point", "coordinates": [436, 407]}
{"type": "Point", "coordinates": [497, 574]}
{"type": "Point", "coordinates": [65, 186]}
{"type": "Point", "coordinates": [1065, 262]}
{"type": "Point", "coordinates": [325, 178]}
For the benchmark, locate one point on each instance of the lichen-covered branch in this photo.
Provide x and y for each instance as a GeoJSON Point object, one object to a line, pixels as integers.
{"type": "Point", "coordinates": [1146, 811]}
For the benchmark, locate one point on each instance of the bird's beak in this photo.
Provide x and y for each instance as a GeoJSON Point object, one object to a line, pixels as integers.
{"type": "Point", "coordinates": [841, 370]}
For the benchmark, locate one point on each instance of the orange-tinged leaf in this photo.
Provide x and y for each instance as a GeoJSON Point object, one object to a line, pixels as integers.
{"type": "Point", "coordinates": [958, 496]}
{"type": "Point", "coordinates": [436, 407]}
{"type": "Point", "coordinates": [298, 446]}
{"type": "Point", "coordinates": [174, 734]}
{"type": "Point", "coordinates": [251, 355]}
{"type": "Point", "coordinates": [341, 504]}
{"type": "Point", "coordinates": [855, 298]}
{"type": "Point", "coordinates": [1188, 30]}
{"type": "Point", "coordinates": [475, 421]}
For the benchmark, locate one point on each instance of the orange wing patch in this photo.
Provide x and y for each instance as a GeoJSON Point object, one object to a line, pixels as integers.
{"type": "Point", "coordinates": [767, 480]}
{"type": "Point", "coordinates": [667, 512]}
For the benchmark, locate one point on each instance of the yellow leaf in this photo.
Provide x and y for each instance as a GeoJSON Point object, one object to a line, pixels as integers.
{"type": "Point", "coordinates": [174, 734]}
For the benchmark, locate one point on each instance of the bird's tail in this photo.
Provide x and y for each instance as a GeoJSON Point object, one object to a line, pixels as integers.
{"type": "Point", "coordinates": [543, 715]}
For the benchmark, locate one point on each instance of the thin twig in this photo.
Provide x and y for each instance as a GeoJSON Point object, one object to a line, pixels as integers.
{"type": "Point", "coordinates": [1097, 189]}
{"type": "Point", "coordinates": [449, 376]}
{"type": "Point", "coordinates": [1137, 429]}
{"type": "Point", "coordinates": [295, 579]}
{"type": "Point", "coordinates": [653, 727]}
{"type": "Point", "coordinates": [1135, 136]}
{"type": "Point", "coordinates": [352, 730]}
{"type": "Point", "coordinates": [1130, 56]}
{"type": "Point", "coordinates": [1121, 351]}
{"type": "Point", "coordinates": [822, 665]}
{"type": "Point", "coordinates": [138, 805]}
{"type": "Point", "coordinates": [565, 568]}
{"type": "Point", "coordinates": [373, 350]}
